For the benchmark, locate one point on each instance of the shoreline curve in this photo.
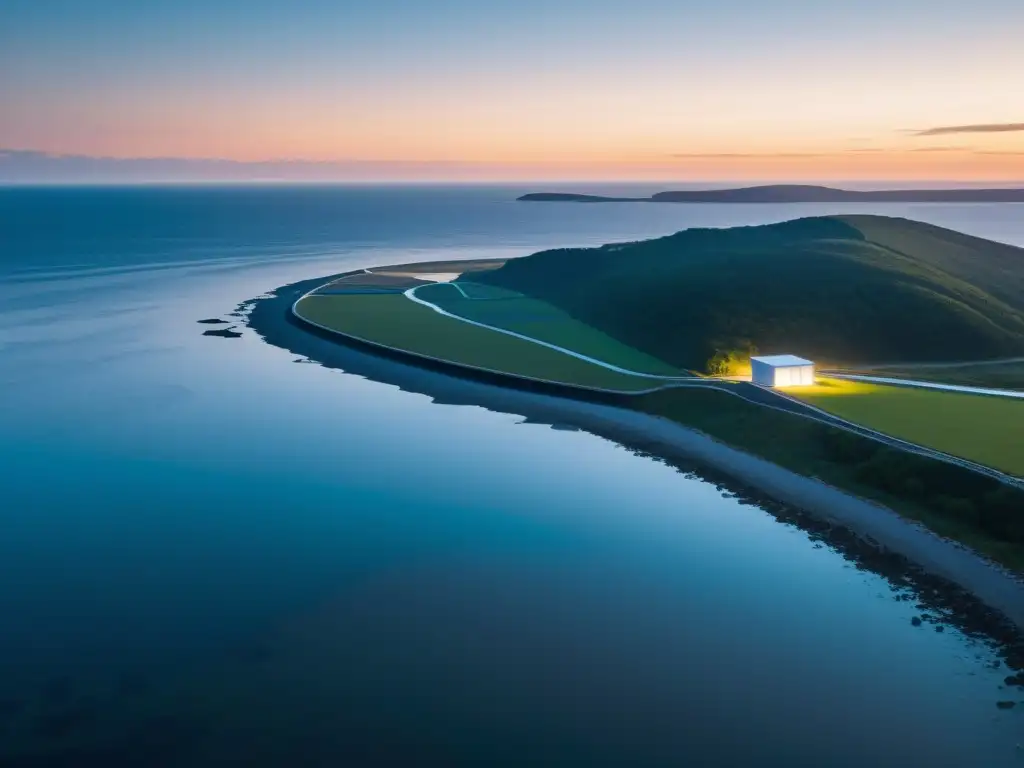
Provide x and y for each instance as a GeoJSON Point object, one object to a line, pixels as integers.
{"type": "Point", "coordinates": [604, 414]}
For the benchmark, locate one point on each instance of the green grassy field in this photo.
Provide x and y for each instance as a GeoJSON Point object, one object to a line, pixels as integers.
{"type": "Point", "coordinates": [989, 430]}
{"type": "Point", "coordinates": [395, 321]}
{"type": "Point", "coordinates": [537, 319]}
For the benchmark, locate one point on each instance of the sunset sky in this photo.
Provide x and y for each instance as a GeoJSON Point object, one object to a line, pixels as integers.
{"type": "Point", "coordinates": [526, 89]}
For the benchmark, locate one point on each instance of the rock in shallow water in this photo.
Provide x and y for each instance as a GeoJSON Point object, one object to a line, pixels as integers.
{"type": "Point", "coordinates": [226, 333]}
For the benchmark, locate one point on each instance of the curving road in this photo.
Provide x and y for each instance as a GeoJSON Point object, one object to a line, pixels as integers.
{"type": "Point", "coordinates": [956, 364]}
{"type": "Point", "coordinates": [411, 294]}
{"type": "Point", "coordinates": [927, 385]}
{"type": "Point", "coordinates": [763, 396]}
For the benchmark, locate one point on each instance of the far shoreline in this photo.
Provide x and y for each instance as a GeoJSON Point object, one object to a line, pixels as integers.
{"type": "Point", "coordinates": [876, 526]}
{"type": "Point", "coordinates": [794, 193]}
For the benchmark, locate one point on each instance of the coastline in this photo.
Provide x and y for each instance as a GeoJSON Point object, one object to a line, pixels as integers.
{"type": "Point", "coordinates": [875, 525]}
{"type": "Point", "coordinates": [873, 522]}
{"type": "Point", "coordinates": [793, 193]}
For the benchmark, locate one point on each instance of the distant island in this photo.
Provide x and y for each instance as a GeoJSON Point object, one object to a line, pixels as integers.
{"type": "Point", "coordinates": [794, 193]}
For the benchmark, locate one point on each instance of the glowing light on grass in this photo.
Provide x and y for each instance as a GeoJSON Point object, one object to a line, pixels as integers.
{"type": "Point", "coordinates": [839, 388]}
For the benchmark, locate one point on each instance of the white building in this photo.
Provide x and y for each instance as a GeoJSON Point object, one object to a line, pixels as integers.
{"type": "Point", "coordinates": [782, 371]}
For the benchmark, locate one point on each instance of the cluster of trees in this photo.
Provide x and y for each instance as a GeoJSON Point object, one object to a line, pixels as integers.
{"type": "Point", "coordinates": [731, 362]}
{"type": "Point", "coordinates": [953, 492]}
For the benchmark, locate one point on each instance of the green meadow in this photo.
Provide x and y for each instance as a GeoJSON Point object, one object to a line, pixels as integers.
{"type": "Point", "coordinates": [395, 321]}
{"type": "Point", "coordinates": [988, 430]}
{"type": "Point", "coordinates": [538, 319]}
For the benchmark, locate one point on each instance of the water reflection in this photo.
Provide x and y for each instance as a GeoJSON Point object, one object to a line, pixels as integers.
{"type": "Point", "coordinates": [938, 599]}
{"type": "Point", "coordinates": [475, 623]}
{"type": "Point", "coordinates": [211, 556]}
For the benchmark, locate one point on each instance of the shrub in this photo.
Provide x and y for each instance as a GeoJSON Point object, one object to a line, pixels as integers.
{"type": "Point", "coordinates": [957, 509]}
{"type": "Point", "coordinates": [845, 447]}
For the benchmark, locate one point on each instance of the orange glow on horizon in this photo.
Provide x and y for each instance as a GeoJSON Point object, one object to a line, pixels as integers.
{"type": "Point", "coordinates": [968, 165]}
{"type": "Point", "coordinates": [797, 91]}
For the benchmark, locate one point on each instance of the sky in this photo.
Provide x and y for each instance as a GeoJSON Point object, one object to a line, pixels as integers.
{"type": "Point", "coordinates": [515, 89]}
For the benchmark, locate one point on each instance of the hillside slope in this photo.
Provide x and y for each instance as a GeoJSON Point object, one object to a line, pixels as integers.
{"type": "Point", "coordinates": [854, 289]}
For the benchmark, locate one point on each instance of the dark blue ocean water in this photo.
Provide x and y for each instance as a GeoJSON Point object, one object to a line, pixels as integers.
{"type": "Point", "coordinates": [211, 555]}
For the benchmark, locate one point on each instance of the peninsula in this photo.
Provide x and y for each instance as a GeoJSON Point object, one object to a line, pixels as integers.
{"type": "Point", "coordinates": [663, 330]}
{"type": "Point", "coordinates": [895, 469]}
{"type": "Point", "coordinates": [794, 193]}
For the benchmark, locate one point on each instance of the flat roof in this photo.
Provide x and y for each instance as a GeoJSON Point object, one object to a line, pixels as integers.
{"type": "Point", "coordinates": [781, 361]}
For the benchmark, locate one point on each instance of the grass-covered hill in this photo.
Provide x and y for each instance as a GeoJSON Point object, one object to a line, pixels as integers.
{"type": "Point", "coordinates": [844, 289]}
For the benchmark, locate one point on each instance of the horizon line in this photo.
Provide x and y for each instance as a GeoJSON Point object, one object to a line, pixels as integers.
{"type": "Point", "coordinates": [8, 183]}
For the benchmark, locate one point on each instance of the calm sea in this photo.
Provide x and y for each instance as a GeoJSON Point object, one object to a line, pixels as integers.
{"type": "Point", "coordinates": [211, 555]}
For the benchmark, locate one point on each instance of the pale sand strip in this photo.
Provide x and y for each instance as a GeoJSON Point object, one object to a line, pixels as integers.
{"type": "Point", "coordinates": [991, 583]}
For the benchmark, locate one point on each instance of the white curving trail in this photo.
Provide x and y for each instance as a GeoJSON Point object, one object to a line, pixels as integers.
{"type": "Point", "coordinates": [411, 294]}
{"type": "Point", "coordinates": [927, 385]}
